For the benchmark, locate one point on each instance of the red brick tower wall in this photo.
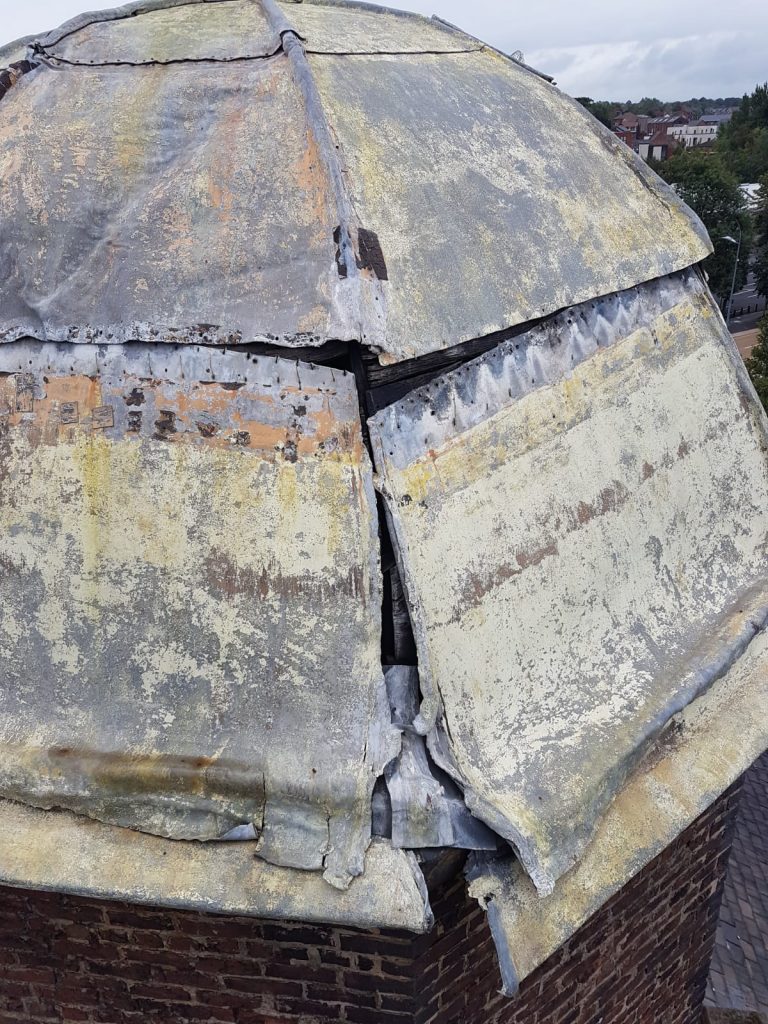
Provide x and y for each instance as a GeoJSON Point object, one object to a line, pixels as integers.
{"type": "Point", "coordinates": [642, 960]}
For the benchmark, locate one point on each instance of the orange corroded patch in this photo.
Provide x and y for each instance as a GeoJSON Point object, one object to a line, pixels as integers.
{"type": "Point", "coordinates": [286, 420]}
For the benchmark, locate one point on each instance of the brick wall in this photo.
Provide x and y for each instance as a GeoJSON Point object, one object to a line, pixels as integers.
{"type": "Point", "coordinates": [643, 958]}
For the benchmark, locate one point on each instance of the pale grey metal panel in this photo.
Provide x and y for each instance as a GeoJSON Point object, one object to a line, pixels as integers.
{"type": "Point", "coordinates": [363, 28]}
{"type": "Point", "coordinates": [58, 851]}
{"type": "Point", "coordinates": [13, 52]}
{"type": "Point", "coordinates": [189, 202]}
{"type": "Point", "coordinates": [190, 599]}
{"type": "Point", "coordinates": [704, 750]}
{"type": "Point", "coordinates": [140, 34]}
{"type": "Point", "coordinates": [487, 213]}
{"type": "Point", "coordinates": [581, 517]}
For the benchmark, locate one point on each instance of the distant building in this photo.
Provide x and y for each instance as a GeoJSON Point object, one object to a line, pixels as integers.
{"type": "Point", "coordinates": [637, 123]}
{"type": "Point", "coordinates": [628, 135]}
{"type": "Point", "coordinates": [697, 133]}
{"type": "Point", "coordinates": [665, 123]}
{"type": "Point", "coordinates": [659, 146]}
{"type": "Point", "coordinates": [718, 117]}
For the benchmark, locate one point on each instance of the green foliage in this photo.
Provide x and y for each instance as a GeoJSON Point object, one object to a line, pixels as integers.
{"type": "Point", "coordinates": [601, 109]}
{"type": "Point", "coordinates": [701, 180]}
{"type": "Point", "coordinates": [647, 105]}
{"type": "Point", "coordinates": [757, 364]}
{"type": "Point", "coordinates": [760, 263]}
{"type": "Point", "coordinates": [743, 142]}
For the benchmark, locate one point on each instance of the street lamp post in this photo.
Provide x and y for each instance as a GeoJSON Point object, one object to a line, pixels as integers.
{"type": "Point", "coordinates": [733, 241]}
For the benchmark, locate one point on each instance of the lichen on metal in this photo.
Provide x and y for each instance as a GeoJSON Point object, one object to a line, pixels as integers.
{"type": "Point", "coordinates": [214, 30]}
{"type": "Point", "coordinates": [584, 555]}
{"type": "Point", "coordinates": [63, 852]}
{"type": "Point", "coordinates": [210, 178]}
{"type": "Point", "coordinates": [704, 749]}
{"type": "Point", "coordinates": [190, 605]}
{"type": "Point", "coordinates": [193, 562]}
{"type": "Point", "coordinates": [345, 28]}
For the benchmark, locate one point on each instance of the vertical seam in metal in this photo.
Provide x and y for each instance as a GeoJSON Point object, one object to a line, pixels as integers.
{"type": "Point", "coordinates": [318, 122]}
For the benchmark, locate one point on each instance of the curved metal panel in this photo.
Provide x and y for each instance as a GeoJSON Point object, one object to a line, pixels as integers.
{"type": "Point", "coordinates": [486, 213]}
{"type": "Point", "coordinates": [182, 203]}
{"type": "Point", "coordinates": [360, 28]}
{"type": "Point", "coordinates": [220, 30]}
{"type": "Point", "coordinates": [704, 750]}
{"type": "Point", "coordinates": [190, 601]}
{"type": "Point", "coordinates": [582, 518]}
{"type": "Point", "coordinates": [58, 851]}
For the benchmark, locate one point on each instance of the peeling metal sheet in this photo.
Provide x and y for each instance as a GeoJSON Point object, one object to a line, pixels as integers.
{"type": "Point", "coordinates": [11, 53]}
{"type": "Point", "coordinates": [702, 752]}
{"type": "Point", "coordinates": [363, 28]}
{"type": "Point", "coordinates": [427, 808]}
{"type": "Point", "coordinates": [541, 224]}
{"type": "Point", "coordinates": [175, 181]}
{"type": "Point", "coordinates": [190, 600]}
{"type": "Point", "coordinates": [61, 852]}
{"type": "Point", "coordinates": [164, 204]}
{"type": "Point", "coordinates": [213, 30]}
{"type": "Point", "coordinates": [581, 517]}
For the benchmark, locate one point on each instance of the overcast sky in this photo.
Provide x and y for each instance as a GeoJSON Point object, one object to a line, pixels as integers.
{"type": "Point", "coordinates": [607, 49]}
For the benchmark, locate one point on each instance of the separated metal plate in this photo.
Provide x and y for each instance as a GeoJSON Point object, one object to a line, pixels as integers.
{"type": "Point", "coordinates": [165, 178]}
{"type": "Point", "coordinates": [581, 518]}
{"type": "Point", "coordinates": [190, 599]}
{"type": "Point", "coordinates": [704, 750]}
{"type": "Point", "coordinates": [486, 212]}
{"type": "Point", "coordinates": [361, 28]}
{"type": "Point", "coordinates": [184, 202]}
{"type": "Point", "coordinates": [208, 30]}
{"type": "Point", "coordinates": [58, 851]}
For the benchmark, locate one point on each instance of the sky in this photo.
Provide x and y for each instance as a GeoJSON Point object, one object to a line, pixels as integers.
{"type": "Point", "coordinates": [606, 49]}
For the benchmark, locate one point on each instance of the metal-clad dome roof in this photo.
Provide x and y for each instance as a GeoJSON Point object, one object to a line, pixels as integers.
{"type": "Point", "coordinates": [238, 171]}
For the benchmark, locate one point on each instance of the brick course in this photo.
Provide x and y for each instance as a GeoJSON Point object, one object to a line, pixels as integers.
{"type": "Point", "coordinates": [642, 959]}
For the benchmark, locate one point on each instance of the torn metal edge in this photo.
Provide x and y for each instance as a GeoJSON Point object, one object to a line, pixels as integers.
{"type": "Point", "coordinates": [584, 329]}
{"type": "Point", "coordinates": [61, 852]}
{"type": "Point", "coordinates": [159, 361]}
{"type": "Point", "coordinates": [128, 10]}
{"type": "Point", "coordinates": [703, 752]}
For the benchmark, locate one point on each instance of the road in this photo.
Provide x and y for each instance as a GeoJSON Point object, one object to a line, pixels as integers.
{"type": "Point", "coordinates": [743, 300]}
{"type": "Point", "coordinates": [745, 342]}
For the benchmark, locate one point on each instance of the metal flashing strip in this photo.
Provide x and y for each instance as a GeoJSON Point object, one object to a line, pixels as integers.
{"type": "Point", "coordinates": [705, 749]}
{"type": "Point", "coordinates": [58, 851]}
{"type": "Point", "coordinates": [191, 597]}
{"type": "Point", "coordinates": [583, 552]}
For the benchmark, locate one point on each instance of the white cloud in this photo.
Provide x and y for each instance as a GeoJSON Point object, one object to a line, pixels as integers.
{"type": "Point", "coordinates": [676, 68]}
{"type": "Point", "coordinates": [585, 44]}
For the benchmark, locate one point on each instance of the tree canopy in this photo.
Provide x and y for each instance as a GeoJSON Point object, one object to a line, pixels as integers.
{"type": "Point", "coordinates": [760, 264]}
{"type": "Point", "coordinates": [757, 364]}
{"type": "Point", "coordinates": [743, 142]}
{"type": "Point", "coordinates": [709, 188]}
{"type": "Point", "coordinates": [601, 109]}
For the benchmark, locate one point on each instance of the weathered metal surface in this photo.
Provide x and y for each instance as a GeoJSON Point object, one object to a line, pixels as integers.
{"type": "Point", "coordinates": [13, 52]}
{"type": "Point", "coordinates": [187, 202]}
{"type": "Point", "coordinates": [218, 30]}
{"type": "Point", "coordinates": [427, 807]}
{"type": "Point", "coordinates": [541, 223]}
{"type": "Point", "coordinates": [190, 599]}
{"type": "Point", "coordinates": [581, 518]}
{"type": "Point", "coordinates": [230, 195]}
{"type": "Point", "coordinates": [61, 852]}
{"type": "Point", "coordinates": [362, 28]}
{"type": "Point", "coordinates": [703, 751]}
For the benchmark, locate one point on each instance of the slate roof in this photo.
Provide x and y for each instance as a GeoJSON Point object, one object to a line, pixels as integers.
{"type": "Point", "coordinates": [739, 974]}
